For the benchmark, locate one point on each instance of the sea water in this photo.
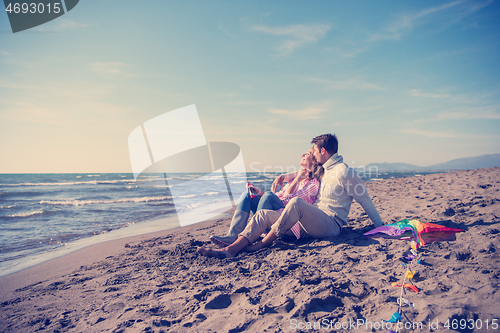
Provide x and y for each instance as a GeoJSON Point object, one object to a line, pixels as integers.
{"type": "Point", "coordinates": [46, 215]}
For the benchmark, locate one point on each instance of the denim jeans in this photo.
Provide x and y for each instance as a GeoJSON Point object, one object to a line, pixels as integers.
{"type": "Point", "coordinates": [269, 200]}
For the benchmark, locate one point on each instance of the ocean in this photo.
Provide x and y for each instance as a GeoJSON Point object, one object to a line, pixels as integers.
{"type": "Point", "coordinates": [43, 216]}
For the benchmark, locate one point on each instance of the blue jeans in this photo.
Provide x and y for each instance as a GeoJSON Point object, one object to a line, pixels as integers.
{"type": "Point", "coordinates": [269, 200]}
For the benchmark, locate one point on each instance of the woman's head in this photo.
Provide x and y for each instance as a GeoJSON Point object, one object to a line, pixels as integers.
{"type": "Point", "coordinates": [310, 163]}
{"type": "Point", "coordinates": [307, 160]}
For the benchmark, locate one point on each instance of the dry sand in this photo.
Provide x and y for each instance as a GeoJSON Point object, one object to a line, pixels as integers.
{"type": "Point", "coordinates": [158, 282]}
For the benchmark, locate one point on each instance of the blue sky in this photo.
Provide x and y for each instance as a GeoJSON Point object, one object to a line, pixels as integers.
{"type": "Point", "coordinates": [397, 81]}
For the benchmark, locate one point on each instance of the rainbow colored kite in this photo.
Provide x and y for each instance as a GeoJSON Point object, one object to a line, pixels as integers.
{"type": "Point", "coordinates": [423, 233]}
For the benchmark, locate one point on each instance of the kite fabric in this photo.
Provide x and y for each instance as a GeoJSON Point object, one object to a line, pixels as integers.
{"type": "Point", "coordinates": [423, 233]}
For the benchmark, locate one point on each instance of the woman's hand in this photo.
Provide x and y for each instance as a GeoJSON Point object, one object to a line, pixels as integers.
{"type": "Point", "coordinates": [278, 182]}
{"type": "Point", "coordinates": [254, 189]}
{"type": "Point", "coordinates": [304, 173]}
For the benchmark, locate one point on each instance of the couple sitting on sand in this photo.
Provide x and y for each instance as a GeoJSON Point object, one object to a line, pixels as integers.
{"type": "Point", "coordinates": [296, 210]}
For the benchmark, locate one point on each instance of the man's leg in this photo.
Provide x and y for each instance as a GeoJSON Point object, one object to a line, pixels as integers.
{"type": "Point", "coordinates": [227, 252]}
{"type": "Point", "coordinates": [261, 221]}
{"type": "Point", "coordinates": [258, 223]}
{"type": "Point", "coordinates": [314, 221]}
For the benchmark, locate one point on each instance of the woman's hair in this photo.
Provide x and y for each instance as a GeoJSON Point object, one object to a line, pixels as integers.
{"type": "Point", "coordinates": [317, 170]}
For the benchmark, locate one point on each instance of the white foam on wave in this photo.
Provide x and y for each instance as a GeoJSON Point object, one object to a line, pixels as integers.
{"type": "Point", "coordinates": [27, 214]}
{"type": "Point", "coordinates": [210, 193]}
{"type": "Point", "coordinates": [52, 184]}
{"type": "Point", "coordinates": [76, 202]}
{"type": "Point", "coordinates": [90, 182]}
{"type": "Point", "coordinates": [115, 181]}
{"type": "Point", "coordinates": [259, 181]}
{"type": "Point", "coordinates": [185, 196]}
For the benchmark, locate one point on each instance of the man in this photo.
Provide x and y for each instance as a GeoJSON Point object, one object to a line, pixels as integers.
{"type": "Point", "coordinates": [340, 184]}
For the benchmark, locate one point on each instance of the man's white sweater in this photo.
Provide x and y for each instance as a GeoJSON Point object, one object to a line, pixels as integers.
{"type": "Point", "coordinates": [339, 185]}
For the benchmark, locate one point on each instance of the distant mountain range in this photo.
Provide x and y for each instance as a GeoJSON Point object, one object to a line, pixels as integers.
{"type": "Point", "coordinates": [467, 163]}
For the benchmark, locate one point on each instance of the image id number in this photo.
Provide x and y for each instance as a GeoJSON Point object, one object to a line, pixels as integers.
{"type": "Point", "coordinates": [471, 324]}
{"type": "Point", "coordinates": [33, 8]}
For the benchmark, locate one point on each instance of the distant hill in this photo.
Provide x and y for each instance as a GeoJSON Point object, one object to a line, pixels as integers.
{"type": "Point", "coordinates": [394, 167]}
{"type": "Point", "coordinates": [476, 162]}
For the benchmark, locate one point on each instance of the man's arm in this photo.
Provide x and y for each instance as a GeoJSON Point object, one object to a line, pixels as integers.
{"type": "Point", "coordinates": [357, 189]}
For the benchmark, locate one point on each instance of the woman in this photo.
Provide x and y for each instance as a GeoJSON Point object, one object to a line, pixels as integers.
{"type": "Point", "coordinates": [305, 185]}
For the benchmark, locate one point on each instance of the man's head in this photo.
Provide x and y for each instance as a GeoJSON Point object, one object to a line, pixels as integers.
{"type": "Point", "coordinates": [324, 147]}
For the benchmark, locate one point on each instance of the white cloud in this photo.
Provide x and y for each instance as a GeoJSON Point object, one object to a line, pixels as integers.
{"type": "Point", "coordinates": [429, 134]}
{"type": "Point", "coordinates": [406, 22]}
{"type": "Point", "coordinates": [248, 103]}
{"type": "Point", "coordinates": [347, 52]}
{"type": "Point", "coordinates": [61, 25]}
{"type": "Point", "coordinates": [14, 85]}
{"type": "Point", "coordinates": [447, 135]}
{"type": "Point", "coordinates": [295, 35]}
{"type": "Point", "coordinates": [418, 93]}
{"type": "Point", "coordinates": [473, 112]}
{"type": "Point", "coordinates": [69, 25]}
{"type": "Point", "coordinates": [26, 112]}
{"type": "Point", "coordinates": [105, 68]}
{"type": "Point", "coordinates": [354, 83]}
{"type": "Point", "coordinates": [309, 113]}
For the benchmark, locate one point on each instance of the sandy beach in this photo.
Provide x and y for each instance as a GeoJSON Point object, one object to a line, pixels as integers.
{"type": "Point", "coordinates": [158, 283]}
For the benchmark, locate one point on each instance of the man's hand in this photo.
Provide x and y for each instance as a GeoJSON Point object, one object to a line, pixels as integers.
{"type": "Point", "coordinates": [278, 182]}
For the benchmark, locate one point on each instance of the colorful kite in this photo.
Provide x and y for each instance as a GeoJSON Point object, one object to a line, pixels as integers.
{"type": "Point", "coordinates": [420, 234]}
{"type": "Point", "coordinates": [423, 233]}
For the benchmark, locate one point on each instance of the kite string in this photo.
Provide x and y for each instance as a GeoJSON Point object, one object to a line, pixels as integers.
{"type": "Point", "coordinates": [400, 310]}
{"type": "Point", "coordinates": [403, 292]}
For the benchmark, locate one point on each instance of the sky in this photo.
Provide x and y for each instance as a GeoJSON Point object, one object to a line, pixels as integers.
{"type": "Point", "coordinates": [397, 81]}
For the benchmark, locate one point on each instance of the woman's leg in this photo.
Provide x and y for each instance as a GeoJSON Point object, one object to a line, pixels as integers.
{"type": "Point", "coordinates": [246, 204]}
{"type": "Point", "coordinates": [270, 201]}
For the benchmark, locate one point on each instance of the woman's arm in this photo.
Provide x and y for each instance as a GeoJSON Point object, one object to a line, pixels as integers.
{"type": "Point", "coordinates": [302, 174]}
{"type": "Point", "coordinates": [309, 192]}
{"type": "Point", "coordinates": [282, 178]}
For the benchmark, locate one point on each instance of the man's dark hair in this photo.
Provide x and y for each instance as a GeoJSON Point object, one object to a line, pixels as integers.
{"type": "Point", "coordinates": [327, 141]}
